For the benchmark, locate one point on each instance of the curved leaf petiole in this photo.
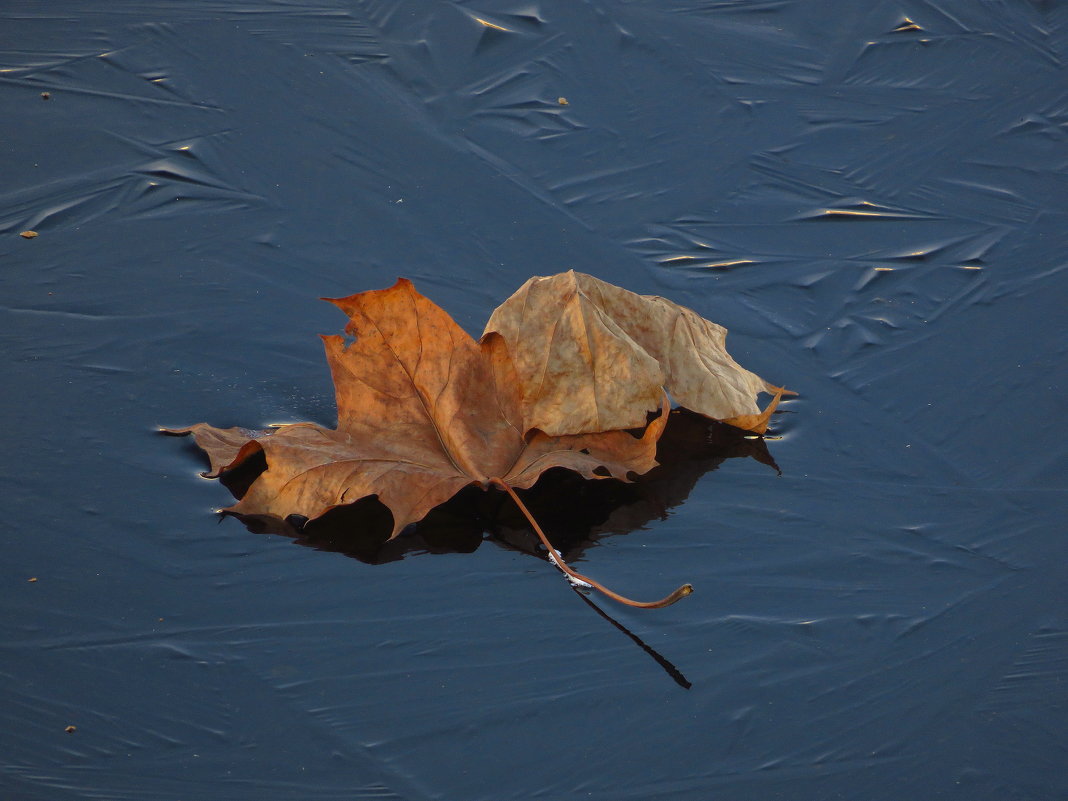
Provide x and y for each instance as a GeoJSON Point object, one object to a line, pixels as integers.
{"type": "Point", "coordinates": [558, 560]}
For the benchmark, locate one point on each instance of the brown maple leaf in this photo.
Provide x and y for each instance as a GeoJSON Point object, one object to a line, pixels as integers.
{"type": "Point", "coordinates": [594, 357]}
{"type": "Point", "coordinates": [423, 411]}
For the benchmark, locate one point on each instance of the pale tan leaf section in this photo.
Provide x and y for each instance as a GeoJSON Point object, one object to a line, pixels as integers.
{"type": "Point", "coordinates": [423, 410]}
{"type": "Point", "coordinates": [591, 356]}
{"type": "Point", "coordinates": [579, 369]}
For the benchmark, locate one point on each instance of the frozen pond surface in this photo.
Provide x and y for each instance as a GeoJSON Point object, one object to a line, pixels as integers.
{"type": "Point", "coordinates": [872, 197]}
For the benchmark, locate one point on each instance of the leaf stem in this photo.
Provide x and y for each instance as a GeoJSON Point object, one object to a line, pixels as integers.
{"type": "Point", "coordinates": [681, 592]}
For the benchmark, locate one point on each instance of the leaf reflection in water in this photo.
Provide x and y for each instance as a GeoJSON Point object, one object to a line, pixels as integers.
{"type": "Point", "coordinates": [575, 512]}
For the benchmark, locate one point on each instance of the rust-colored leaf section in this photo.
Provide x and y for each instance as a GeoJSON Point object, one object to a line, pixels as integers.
{"type": "Point", "coordinates": [423, 410]}
{"type": "Point", "coordinates": [591, 356]}
{"type": "Point", "coordinates": [758, 423]}
{"type": "Point", "coordinates": [222, 445]}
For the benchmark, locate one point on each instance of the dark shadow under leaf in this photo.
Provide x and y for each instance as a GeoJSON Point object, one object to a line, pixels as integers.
{"type": "Point", "coordinates": [575, 512]}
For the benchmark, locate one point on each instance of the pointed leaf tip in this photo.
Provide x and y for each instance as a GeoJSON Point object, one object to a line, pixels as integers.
{"type": "Point", "coordinates": [758, 423]}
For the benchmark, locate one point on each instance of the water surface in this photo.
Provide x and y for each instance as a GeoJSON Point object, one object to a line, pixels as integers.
{"type": "Point", "coordinates": [870, 196]}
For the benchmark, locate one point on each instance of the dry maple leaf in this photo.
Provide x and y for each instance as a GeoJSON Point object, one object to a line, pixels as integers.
{"type": "Point", "coordinates": [423, 411]}
{"type": "Point", "coordinates": [594, 357]}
